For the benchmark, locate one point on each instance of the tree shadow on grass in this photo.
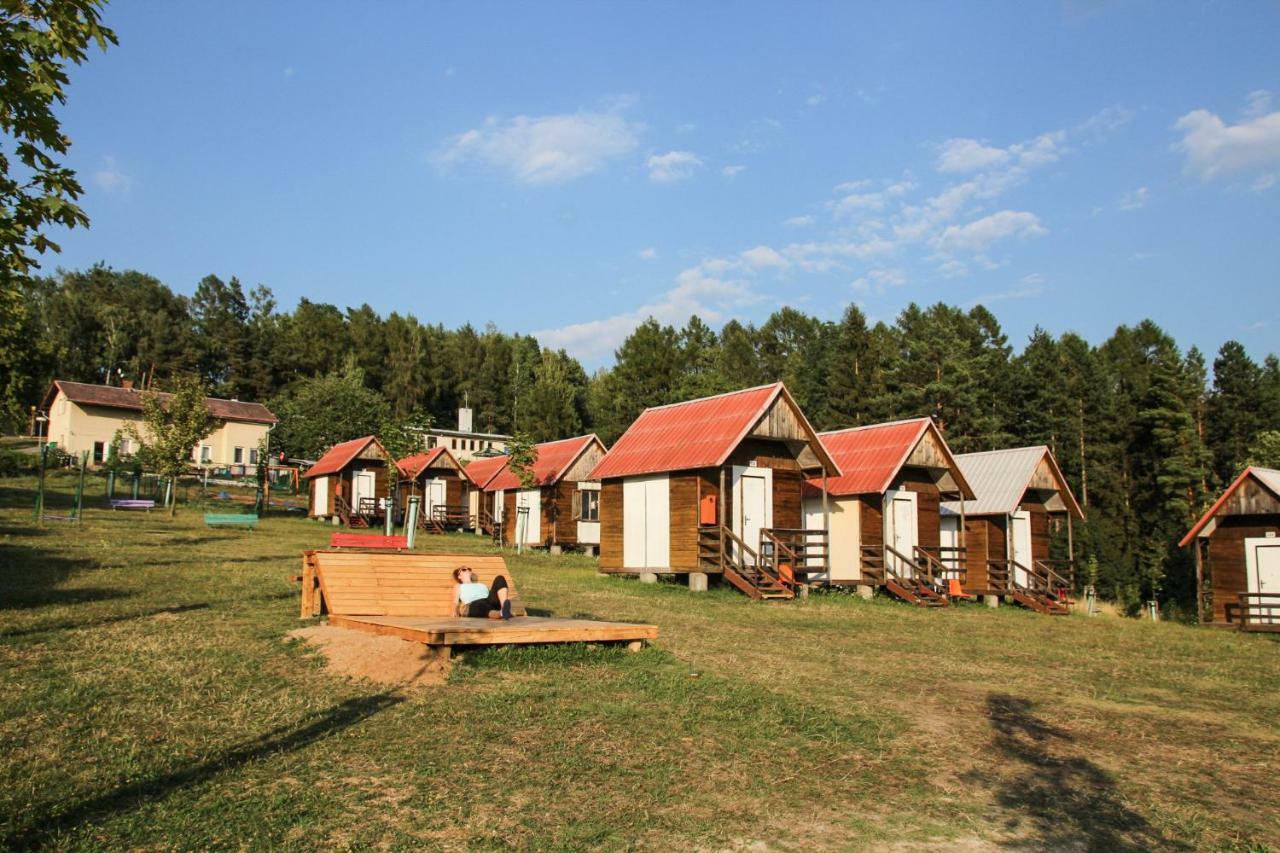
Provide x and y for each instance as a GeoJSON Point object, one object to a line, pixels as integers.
{"type": "Point", "coordinates": [154, 788]}
{"type": "Point", "coordinates": [1068, 801]}
{"type": "Point", "coordinates": [32, 577]}
{"type": "Point", "coordinates": [69, 625]}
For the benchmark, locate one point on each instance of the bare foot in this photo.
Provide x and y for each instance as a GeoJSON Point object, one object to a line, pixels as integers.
{"type": "Point", "coordinates": [495, 614]}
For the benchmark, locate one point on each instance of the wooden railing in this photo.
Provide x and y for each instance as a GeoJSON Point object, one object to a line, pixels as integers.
{"type": "Point", "coordinates": [1061, 573]}
{"type": "Point", "coordinates": [998, 575]}
{"type": "Point", "coordinates": [871, 565]}
{"type": "Point", "coordinates": [369, 508]}
{"type": "Point", "coordinates": [930, 569]}
{"type": "Point", "coordinates": [778, 560]}
{"type": "Point", "coordinates": [812, 547]}
{"type": "Point", "coordinates": [1260, 611]}
{"type": "Point", "coordinates": [450, 515]}
{"type": "Point", "coordinates": [342, 508]}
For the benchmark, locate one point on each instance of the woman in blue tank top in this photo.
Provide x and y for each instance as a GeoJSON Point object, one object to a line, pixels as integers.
{"type": "Point", "coordinates": [472, 598]}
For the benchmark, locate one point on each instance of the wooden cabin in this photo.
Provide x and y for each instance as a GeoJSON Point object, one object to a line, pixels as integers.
{"type": "Point", "coordinates": [1237, 551]}
{"type": "Point", "coordinates": [713, 486]}
{"type": "Point", "coordinates": [349, 483]}
{"type": "Point", "coordinates": [485, 506]}
{"type": "Point", "coordinates": [562, 508]}
{"type": "Point", "coordinates": [885, 509]}
{"type": "Point", "coordinates": [1021, 499]}
{"type": "Point", "coordinates": [437, 478]}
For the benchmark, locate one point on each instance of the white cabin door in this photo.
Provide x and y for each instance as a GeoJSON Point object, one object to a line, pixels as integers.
{"type": "Point", "coordinates": [1262, 568]}
{"type": "Point", "coordinates": [752, 503]}
{"type": "Point", "coordinates": [499, 504]}
{"type": "Point", "coordinates": [646, 523]}
{"type": "Point", "coordinates": [434, 494]}
{"type": "Point", "coordinates": [950, 536]}
{"type": "Point", "coordinates": [363, 485]}
{"type": "Point", "coordinates": [531, 521]}
{"type": "Point", "coordinates": [902, 534]}
{"type": "Point", "coordinates": [320, 506]}
{"type": "Point", "coordinates": [1020, 544]}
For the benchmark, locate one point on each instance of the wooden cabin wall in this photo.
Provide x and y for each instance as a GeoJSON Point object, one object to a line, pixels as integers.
{"type": "Point", "coordinates": [765, 454]}
{"type": "Point", "coordinates": [611, 524]}
{"type": "Point", "coordinates": [928, 504]}
{"type": "Point", "coordinates": [977, 536]}
{"type": "Point", "coordinates": [1226, 564]}
{"type": "Point", "coordinates": [559, 525]}
{"type": "Point", "coordinates": [453, 491]}
{"type": "Point", "coordinates": [509, 517]}
{"type": "Point", "coordinates": [872, 521]}
{"type": "Point", "coordinates": [683, 534]}
{"type": "Point", "coordinates": [1040, 535]}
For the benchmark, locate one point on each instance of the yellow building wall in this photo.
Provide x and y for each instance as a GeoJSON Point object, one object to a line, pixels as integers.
{"type": "Point", "coordinates": [844, 535]}
{"type": "Point", "coordinates": [75, 428]}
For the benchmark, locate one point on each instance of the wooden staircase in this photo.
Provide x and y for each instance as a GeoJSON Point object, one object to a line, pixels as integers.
{"type": "Point", "coordinates": [755, 575]}
{"type": "Point", "coordinates": [1044, 590]}
{"type": "Point", "coordinates": [343, 510]}
{"type": "Point", "coordinates": [489, 526]}
{"type": "Point", "coordinates": [919, 585]}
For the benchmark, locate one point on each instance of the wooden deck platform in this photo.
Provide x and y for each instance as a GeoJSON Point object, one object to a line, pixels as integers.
{"type": "Point", "coordinates": [482, 632]}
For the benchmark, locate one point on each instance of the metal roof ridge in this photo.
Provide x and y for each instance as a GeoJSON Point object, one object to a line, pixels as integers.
{"type": "Point", "coordinates": [712, 397]}
{"type": "Point", "coordinates": [898, 422]}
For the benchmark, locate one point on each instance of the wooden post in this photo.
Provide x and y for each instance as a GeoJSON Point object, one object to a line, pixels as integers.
{"type": "Point", "coordinates": [963, 544]}
{"type": "Point", "coordinates": [826, 525]}
{"type": "Point", "coordinates": [1071, 543]}
{"type": "Point", "coordinates": [720, 513]}
{"type": "Point", "coordinates": [1199, 581]}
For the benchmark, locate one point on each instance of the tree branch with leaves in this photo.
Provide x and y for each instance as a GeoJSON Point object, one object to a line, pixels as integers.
{"type": "Point", "coordinates": [174, 424]}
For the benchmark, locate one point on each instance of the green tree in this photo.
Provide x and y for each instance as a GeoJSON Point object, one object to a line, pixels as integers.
{"type": "Point", "coordinates": [175, 424]}
{"type": "Point", "coordinates": [550, 406]}
{"type": "Point", "coordinates": [521, 456]}
{"type": "Point", "coordinates": [1236, 410]}
{"type": "Point", "coordinates": [38, 39]}
{"type": "Point", "coordinates": [220, 324]}
{"type": "Point", "coordinates": [1264, 452]}
{"type": "Point", "coordinates": [317, 413]}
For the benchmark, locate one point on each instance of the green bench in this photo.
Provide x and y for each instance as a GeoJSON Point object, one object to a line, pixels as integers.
{"type": "Point", "coordinates": [223, 519]}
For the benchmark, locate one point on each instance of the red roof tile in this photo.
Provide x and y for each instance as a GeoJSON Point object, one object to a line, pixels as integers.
{"type": "Point", "coordinates": [551, 460]}
{"type": "Point", "coordinates": [869, 457]}
{"type": "Point", "coordinates": [1266, 477]}
{"type": "Point", "coordinates": [412, 466]}
{"type": "Point", "coordinates": [697, 434]}
{"type": "Point", "coordinates": [111, 397]}
{"type": "Point", "coordinates": [340, 455]}
{"type": "Point", "coordinates": [482, 469]}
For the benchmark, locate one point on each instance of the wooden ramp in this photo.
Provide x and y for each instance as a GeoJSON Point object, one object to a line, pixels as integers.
{"type": "Point", "coordinates": [410, 595]}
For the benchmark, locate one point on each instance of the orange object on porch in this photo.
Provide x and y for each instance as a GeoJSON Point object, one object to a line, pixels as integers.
{"type": "Point", "coordinates": [954, 590]}
{"type": "Point", "coordinates": [707, 510]}
{"type": "Point", "coordinates": [787, 575]}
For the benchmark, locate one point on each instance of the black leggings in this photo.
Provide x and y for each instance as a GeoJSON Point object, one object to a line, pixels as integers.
{"type": "Point", "coordinates": [481, 607]}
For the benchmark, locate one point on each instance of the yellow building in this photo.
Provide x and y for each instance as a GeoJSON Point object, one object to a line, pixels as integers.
{"type": "Point", "coordinates": [85, 417]}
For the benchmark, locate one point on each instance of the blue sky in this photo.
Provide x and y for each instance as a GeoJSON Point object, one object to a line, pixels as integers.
{"type": "Point", "coordinates": [568, 169]}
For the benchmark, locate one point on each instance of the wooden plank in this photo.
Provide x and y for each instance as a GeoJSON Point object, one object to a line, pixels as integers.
{"type": "Point", "coordinates": [523, 630]}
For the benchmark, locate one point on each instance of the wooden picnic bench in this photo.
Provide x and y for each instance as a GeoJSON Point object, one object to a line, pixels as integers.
{"type": "Point", "coordinates": [223, 519]}
{"type": "Point", "coordinates": [371, 542]}
{"type": "Point", "coordinates": [133, 503]}
{"type": "Point", "coordinates": [411, 596]}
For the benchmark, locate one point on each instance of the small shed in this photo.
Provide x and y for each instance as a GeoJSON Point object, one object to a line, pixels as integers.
{"type": "Point", "coordinates": [349, 482]}
{"type": "Point", "coordinates": [436, 477]}
{"type": "Point", "coordinates": [1021, 498]}
{"type": "Point", "coordinates": [886, 504]}
{"type": "Point", "coordinates": [1237, 551]}
{"type": "Point", "coordinates": [562, 508]}
{"type": "Point", "coordinates": [713, 486]}
{"type": "Point", "coordinates": [485, 505]}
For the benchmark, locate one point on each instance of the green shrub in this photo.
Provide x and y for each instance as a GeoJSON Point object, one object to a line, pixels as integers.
{"type": "Point", "coordinates": [14, 464]}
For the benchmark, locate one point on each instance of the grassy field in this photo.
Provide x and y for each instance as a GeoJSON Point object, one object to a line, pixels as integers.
{"type": "Point", "coordinates": [150, 697]}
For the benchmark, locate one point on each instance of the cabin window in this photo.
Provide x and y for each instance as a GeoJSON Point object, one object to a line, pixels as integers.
{"type": "Point", "coordinates": [431, 442]}
{"type": "Point", "coordinates": [239, 456]}
{"type": "Point", "coordinates": [453, 444]}
{"type": "Point", "coordinates": [590, 506]}
{"type": "Point", "coordinates": [99, 452]}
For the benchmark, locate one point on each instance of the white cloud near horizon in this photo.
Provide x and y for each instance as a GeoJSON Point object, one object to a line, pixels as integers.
{"type": "Point", "coordinates": [542, 150]}
{"type": "Point", "coordinates": [1214, 149]}
{"type": "Point", "coordinates": [673, 166]}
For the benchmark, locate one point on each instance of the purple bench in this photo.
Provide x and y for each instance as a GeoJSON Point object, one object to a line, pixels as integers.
{"type": "Point", "coordinates": [133, 503]}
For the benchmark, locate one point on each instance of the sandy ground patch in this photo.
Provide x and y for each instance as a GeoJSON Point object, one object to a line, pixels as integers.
{"type": "Point", "coordinates": [384, 660]}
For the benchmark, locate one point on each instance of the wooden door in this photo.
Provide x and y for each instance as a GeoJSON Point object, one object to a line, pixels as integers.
{"type": "Point", "coordinates": [1262, 570]}
{"type": "Point", "coordinates": [363, 485]}
{"type": "Point", "coordinates": [752, 503]}
{"type": "Point", "coordinates": [435, 494]}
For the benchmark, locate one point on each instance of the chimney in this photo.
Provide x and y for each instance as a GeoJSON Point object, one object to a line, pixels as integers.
{"type": "Point", "coordinates": [464, 420]}
{"type": "Point", "coordinates": [126, 384]}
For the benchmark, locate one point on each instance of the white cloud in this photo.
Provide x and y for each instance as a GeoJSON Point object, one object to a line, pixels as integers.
{"type": "Point", "coordinates": [1141, 256]}
{"type": "Point", "coordinates": [1028, 286]}
{"type": "Point", "coordinates": [968, 155]}
{"type": "Point", "coordinates": [879, 280]}
{"type": "Point", "coordinates": [855, 202]}
{"type": "Point", "coordinates": [759, 135]}
{"type": "Point", "coordinates": [1102, 123]}
{"type": "Point", "coordinates": [1215, 149]}
{"type": "Point", "coordinates": [289, 71]}
{"type": "Point", "coordinates": [111, 178]}
{"type": "Point", "coordinates": [543, 150]}
{"type": "Point", "coordinates": [1134, 199]}
{"type": "Point", "coordinates": [816, 99]}
{"type": "Point", "coordinates": [702, 289]}
{"type": "Point", "coordinates": [763, 256]}
{"type": "Point", "coordinates": [798, 221]}
{"type": "Point", "coordinates": [647, 254]}
{"type": "Point", "coordinates": [1259, 104]}
{"type": "Point", "coordinates": [952, 269]}
{"type": "Point", "coordinates": [672, 166]}
{"type": "Point", "coordinates": [980, 233]}
{"type": "Point", "coordinates": [732, 171]}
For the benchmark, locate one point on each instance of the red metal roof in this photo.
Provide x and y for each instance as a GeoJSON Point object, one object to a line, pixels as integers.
{"type": "Point", "coordinates": [697, 434]}
{"type": "Point", "coordinates": [1265, 477]}
{"type": "Point", "coordinates": [111, 397]}
{"type": "Point", "coordinates": [340, 455]}
{"type": "Point", "coordinates": [482, 469]}
{"type": "Point", "coordinates": [551, 460]}
{"type": "Point", "coordinates": [412, 466]}
{"type": "Point", "coordinates": [869, 457]}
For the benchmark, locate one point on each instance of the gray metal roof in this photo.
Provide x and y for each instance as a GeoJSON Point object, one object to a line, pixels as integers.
{"type": "Point", "coordinates": [1269, 477]}
{"type": "Point", "coordinates": [998, 477]}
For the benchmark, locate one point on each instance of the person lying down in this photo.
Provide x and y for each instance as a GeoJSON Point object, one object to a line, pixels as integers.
{"type": "Point", "coordinates": [472, 598]}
